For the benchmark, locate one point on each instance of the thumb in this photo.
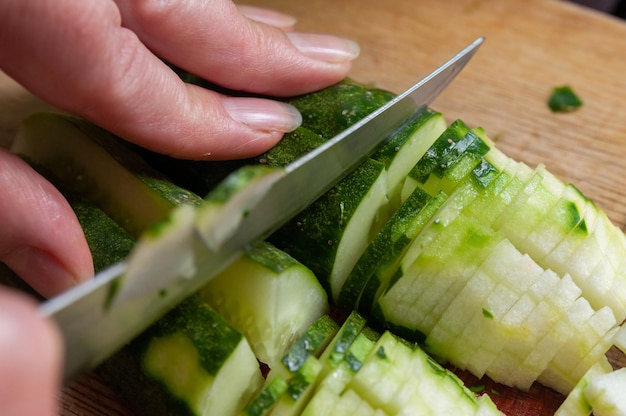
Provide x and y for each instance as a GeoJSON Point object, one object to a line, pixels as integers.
{"type": "Point", "coordinates": [30, 358]}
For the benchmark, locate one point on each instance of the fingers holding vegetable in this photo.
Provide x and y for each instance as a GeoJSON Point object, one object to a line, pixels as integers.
{"type": "Point", "coordinates": [114, 74]}
{"type": "Point", "coordinates": [219, 43]}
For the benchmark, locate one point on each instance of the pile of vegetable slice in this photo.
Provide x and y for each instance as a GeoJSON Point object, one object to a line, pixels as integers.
{"type": "Point", "coordinates": [439, 249]}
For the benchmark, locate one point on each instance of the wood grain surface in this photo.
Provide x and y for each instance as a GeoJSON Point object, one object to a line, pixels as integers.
{"type": "Point", "coordinates": [530, 48]}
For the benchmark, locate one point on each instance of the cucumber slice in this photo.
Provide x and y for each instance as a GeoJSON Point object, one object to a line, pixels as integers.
{"type": "Point", "coordinates": [605, 393]}
{"type": "Point", "coordinates": [267, 398]}
{"type": "Point", "coordinates": [341, 360]}
{"type": "Point", "coordinates": [299, 390]}
{"type": "Point", "coordinates": [447, 161]}
{"type": "Point", "coordinates": [406, 148]}
{"type": "Point", "coordinates": [312, 343]}
{"type": "Point", "coordinates": [373, 269]}
{"type": "Point", "coordinates": [575, 404]}
{"type": "Point", "coordinates": [191, 362]}
{"type": "Point", "coordinates": [289, 384]}
{"type": "Point", "coordinates": [330, 235]}
{"type": "Point", "coordinates": [269, 297]}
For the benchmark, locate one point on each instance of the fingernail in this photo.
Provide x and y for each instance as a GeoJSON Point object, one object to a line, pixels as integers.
{"type": "Point", "coordinates": [262, 114]}
{"type": "Point", "coordinates": [269, 17]}
{"type": "Point", "coordinates": [325, 48]}
{"type": "Point", "coordinates": [41, 270]}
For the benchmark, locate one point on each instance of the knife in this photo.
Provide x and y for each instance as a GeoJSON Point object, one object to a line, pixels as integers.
{"type": "Point", "coordinates": [99, 316]}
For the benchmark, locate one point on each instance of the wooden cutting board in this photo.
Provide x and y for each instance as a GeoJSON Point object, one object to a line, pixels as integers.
{"type": "Point", "coordinates": [531, 47]}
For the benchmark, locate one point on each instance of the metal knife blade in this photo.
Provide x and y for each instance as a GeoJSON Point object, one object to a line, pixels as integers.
{"type": "Point", "coordinates": [101, 315]}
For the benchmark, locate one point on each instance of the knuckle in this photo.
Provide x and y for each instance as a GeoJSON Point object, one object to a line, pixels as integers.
{"type": "Point", "coordinates": [152, 13]}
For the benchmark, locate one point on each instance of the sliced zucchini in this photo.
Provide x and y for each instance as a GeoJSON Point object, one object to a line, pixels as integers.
{"type": "Point", "coordinates": [191, 362]}
{"type": "Point", "coordinates": [91, 162]}
{"type": "Point", "coordinates": [268, 296]}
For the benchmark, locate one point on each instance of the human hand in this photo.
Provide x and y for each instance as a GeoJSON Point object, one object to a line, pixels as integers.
{"type": "Point", "coordinates": [101, 59]}
{"type": "Point", "coordinates": [30, 358]}
{"type": "Point", "coordinates": [98, 59]}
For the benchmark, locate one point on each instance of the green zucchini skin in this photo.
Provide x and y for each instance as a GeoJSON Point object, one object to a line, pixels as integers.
{"type": "Point", "coordinates": [96, 165]}
{"type": "Point", "coordinates": [330, 111]}
{"type": "Point", "coordinates": [108, 242]}
{"type": "Point", "coordinates": [214, 340]}
{"type": "Point", "coordinates": [314, 234]}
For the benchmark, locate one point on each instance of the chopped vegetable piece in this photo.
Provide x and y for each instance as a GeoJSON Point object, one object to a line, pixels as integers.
{"type": "Point", "coordinates": [564, 99]}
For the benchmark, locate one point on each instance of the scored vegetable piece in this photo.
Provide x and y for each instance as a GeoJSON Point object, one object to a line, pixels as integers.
{"type": "Point", "coordinates": [290, 382]}
{"type": "Point", "coordinates": [341, 359]}
{"type": "Point", "coordinates": [605, 393]}
{"type": "Point", "coordinates": [575, 403]}
{"type": "Point", "coordinates": [312, 343]}
{"type": "Point", "coordinates": [595, 338]}
{"type": "Point", "coordinates": [266, 399]}
{"type": "Point", "coordinates": [300, 389]}
{"type": "Point", "coordinates": [435, 246]}
{"type": "Point", "coordinates": [447, 161]}
{"type": "Point", "coordinates": [567, 237]}
{"type": "Point", "coordinates": [374, 268]}
{"type": "Point", "coordinates": [402, 379]}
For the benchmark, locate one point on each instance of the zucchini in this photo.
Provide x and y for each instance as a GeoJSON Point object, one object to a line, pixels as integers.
{"type": "Point", "coordinates": [191, 362]}
{"type": "Point", "coordinates": [117, 181]}
{"type": "Point", "coordinates": [375, 267]}
{"type": "Point", "coordinates": [330, 235]}
{"type": "Point", "coordinates": [330, 111]}
{"type": "Point", "coordinates": [605, 393]}
{"type": "Point", "coordinates": [268, 296]}
{"type": "Point", "coordinates": [489, 264]}
{"type": "Point", "coordinates": [402, 379]}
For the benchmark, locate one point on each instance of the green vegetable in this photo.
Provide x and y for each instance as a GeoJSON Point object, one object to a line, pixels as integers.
{"type": "Point", "coordinates": [191, 362]}
{"type": "Point", "coordinates": [92, 163]}
{"type": "Point", "coordinates": [330, 111]}
{"type": "Point", "coordinates": [291, 382]}
{"type": "Point", "coordinates": [268, 296]}
{"type": "Point", "coordinates": [329, 236]}
{"type": "Point", "coordinates": [564, 99]}
{"type": "Point", "coordinates": [605, 393]}
{"type": "Point", "coordinates": [489, 264]}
